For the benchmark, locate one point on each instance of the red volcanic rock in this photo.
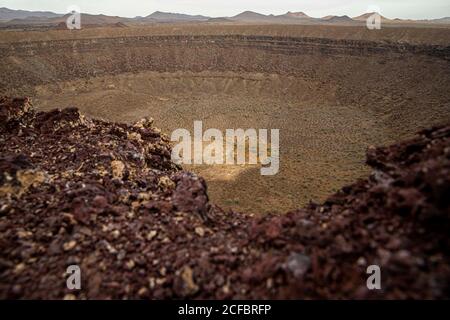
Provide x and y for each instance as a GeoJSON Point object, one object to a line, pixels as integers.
{"type": "Point", "coordinates": [106, 197]}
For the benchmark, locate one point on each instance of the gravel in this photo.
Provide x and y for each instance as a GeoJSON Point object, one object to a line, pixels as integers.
{"type": "Point", "coordinates": [106, 196]}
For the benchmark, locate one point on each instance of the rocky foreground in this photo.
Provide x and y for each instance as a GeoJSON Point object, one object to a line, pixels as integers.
{"type": "Point", "coordinates": [105, 196]}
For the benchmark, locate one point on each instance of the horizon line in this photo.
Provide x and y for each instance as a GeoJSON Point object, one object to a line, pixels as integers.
{"type": "Point", "coordinates": [208, 16]}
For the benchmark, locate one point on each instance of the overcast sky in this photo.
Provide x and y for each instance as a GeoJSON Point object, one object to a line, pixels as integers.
{"type": "Point", "coordinates": [413, 9]}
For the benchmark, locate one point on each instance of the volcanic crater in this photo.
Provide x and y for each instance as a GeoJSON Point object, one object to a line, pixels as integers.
{"type": "Point", "coordinates": [331, 97]}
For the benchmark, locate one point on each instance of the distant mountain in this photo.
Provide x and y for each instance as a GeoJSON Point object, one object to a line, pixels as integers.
{"type": "Point", "coordinates": [287, 18]}
{"type": "Point", "coordinates": [338, 19]}
{"type": "Point", "coordinates": [10, 14]}
{"type": "Point", "coordinates": [403, 20]}
{"type": "Point", "coordinates": [365, 16]}
{"type": "Point", "coordinates": [300, 15]}
{"type": "Point", "coordinates": [86, 19]}
{"type": "Point", "coordinates": [29, 21]}
{"type": "Point", "coordinates": [251, 16]}
{"type": "Point", "coordinates": [96, 19]}
{"type": "Point", "coordinates": [175, 17]}
{"type": "Point", "coordinates": [445, 20]}
{"type": "Point", "coordinates": [11, 18]}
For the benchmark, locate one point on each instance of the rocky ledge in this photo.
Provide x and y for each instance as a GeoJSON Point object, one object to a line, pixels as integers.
{"type": "Point", "coordinates": [106, 197]}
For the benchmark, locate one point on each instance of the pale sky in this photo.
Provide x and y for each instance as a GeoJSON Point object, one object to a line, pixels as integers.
{"type": "Point", "coordinates": [412, 9]}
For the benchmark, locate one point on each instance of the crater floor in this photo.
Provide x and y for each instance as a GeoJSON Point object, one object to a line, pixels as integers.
{"type": "Point", "coordinates": [322, 144]}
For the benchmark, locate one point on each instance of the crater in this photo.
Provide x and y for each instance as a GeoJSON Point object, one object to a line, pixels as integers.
{"type": "Point", "coordinates": [331, 99]}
